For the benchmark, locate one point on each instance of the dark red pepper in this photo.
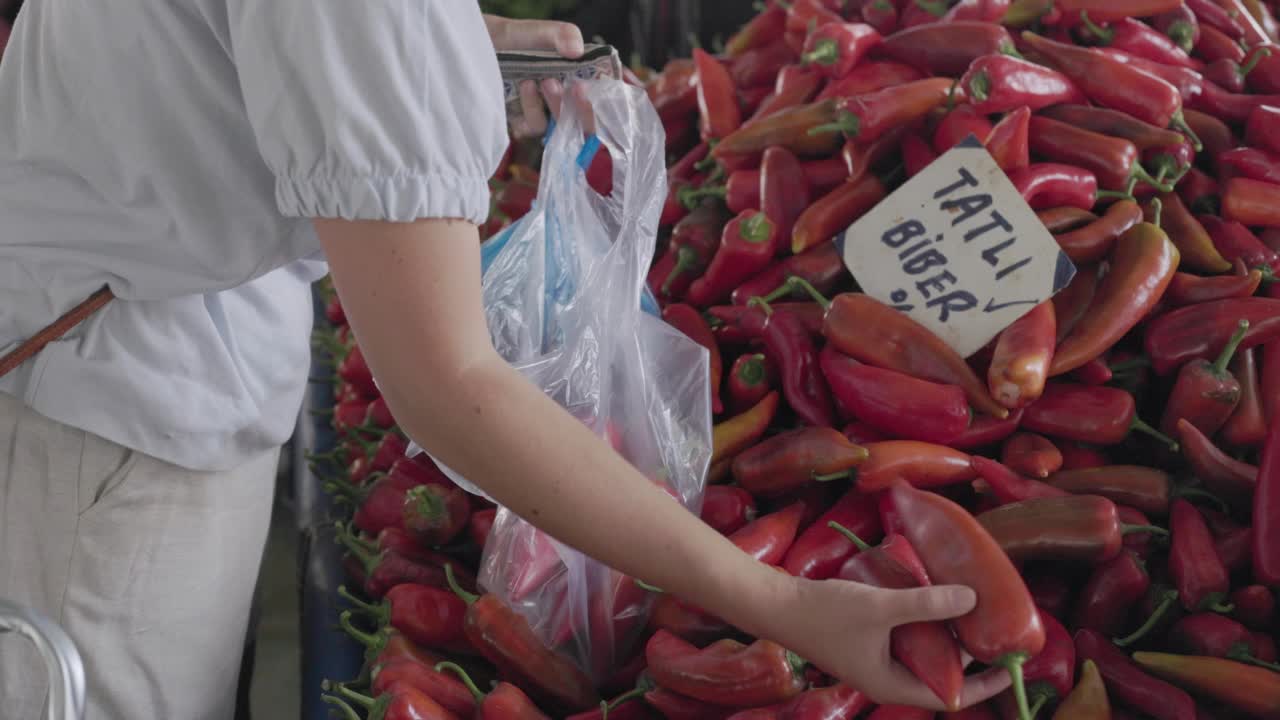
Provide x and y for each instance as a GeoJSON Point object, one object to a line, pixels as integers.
{"type": "Point", "coordinates": [401, 701]}
{"type": "Point", "coordinates": [1115, 123]}
{"type": "Point", "coordinates": [1114, 588]}
{"type": "Point", "coordinates": [757, 69]}
{"type": "Point", "coordinates": [717, 97]}
{"type": "Point", "coordinates": [795, 85]}
{"type": "Point", "coordinates": [821, 266]}
{"type": "Point", "coordinates": [1248, 424]}
{"type": "Point", "coordinates": [728, 673]}
{"type": "Point", "coordinates": [1231, 479]}
{"type": "Point", "coordinates": [429, 616]}
{"type": "Point", "coordinates": [1008, 486]}
{"type": "Point", "coordinates": [1266, 505]}
{"type": "Point", "coordinates": [481, 524]}
{"type": "Point", "coordinates": [1009, 141]}
{"type": "Point", "coordinates": [1103, 415]}
{"type": "Point", "coordinates": [1129, 684]}
{"type": "Point", "coordinates": [1114, 161]}
{"type": "Point", "coordinates": [769, 537]}
{"type": "Point", "coordinates": [1140, 39]}
{"type": "Point", "coordinates": [958, 124]}
{"type": "Point", "coordinates": [762, 29]}
{"type": "Point", "coordinates": [902, 405]}
{"type": "Point", "coordinates": [1052, 185]}
{"type": "Point", "coordinates": [1234, 241]}
{"type": "Point", "coordinates": [750, 378]}
{"type": "Point", "coordinates": [1180, 26]}
{"type": "Point", "coordinates": [1201, 331]}
{"type": "Point", "coordinates": [1255, 606]}
{"type": "Point", "coordinates": [790, 460]}
{"type": "Point", "coordinates": [1205, 394]}
{"type": "Point", "coordinates": [694, 242]}
{"type": "Point", "coordinates": [836, 47]}
{"type": "Point", "coordinates": [747, 246]}
{"type": "Point", "coordinates": [1231, 107]}
{"type": "Point", "coordinates": [946, 48]}
{"type": "Point", "coordinates": [444, 688]}
{"type": "Point", "coordinates": [1079, 528]}
{"type": "Point", "coordinates": [740, 324]}
{"type": "Point", "coordinates": [1031, 454]}
{"type": "Point", "coordinates": [727, 508]}
{"type": "Point", "coordinates": [1196, 569]}
{"type": "Point", "coordinates": [1051, 674]}
{"type": "Point", "coordinates": [1187, 289]}
{"type": "Point", "coordinates": [1212, 635]}
{"type": "Point", "coordinates": [820, 551]}
{"type": "Point", "coordinates": [1261, 128]}
{"type": "Point", "coordinates": [917, 153]}
{"type": "Point", "coordinates": [436, 514]}
{"type": "Point", "coordinates": [1211, 14]}
{"type": "Point", "coordinates": [870, 77]}
{"type": "Point", "coordinates": [789, 345]}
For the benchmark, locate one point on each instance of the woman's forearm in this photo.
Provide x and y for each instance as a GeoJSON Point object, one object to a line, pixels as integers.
{"type": "Point", "coordinates": [502, 433]}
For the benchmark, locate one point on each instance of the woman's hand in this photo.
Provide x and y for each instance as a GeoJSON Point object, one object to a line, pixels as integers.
{"type": "Point", "coordinates": [564, 38]}
{"type": "Point", "coordinates": [843, 628]}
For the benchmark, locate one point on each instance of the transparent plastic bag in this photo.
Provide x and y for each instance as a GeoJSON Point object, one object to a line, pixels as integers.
{"type": "Point", "coordinates": [563, 291]}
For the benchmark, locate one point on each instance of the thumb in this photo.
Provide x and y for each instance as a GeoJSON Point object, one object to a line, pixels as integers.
{"type": "Point", "coordinates": [941, 602]}
{"type": "Point", "coordinates": [564, 38]}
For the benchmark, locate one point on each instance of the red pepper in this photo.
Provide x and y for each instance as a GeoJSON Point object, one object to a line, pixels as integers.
{"type": "Point", "coordinates": [1127, 683]}
{"type": "Point", "coordinates": [694, 241]}
{"type": "Point", "coordinates": [1199, 191]}
{"type": "Point", "coordinates": [1253, 690]}
{"type": "Point", "coordinates": [445, 689]}
{"type": "Point", "coordinates": [902, 405]}
{"type": "Point", "coordinates": [1260, 130]}
{"type": "Point", "coordinates": [505, 639]}
{"type": "Point", "coordinates": [806, 15]}
{"type": "Point", "coordinates": [917, 153]}
{"type": "Point", "coordinates": [881, 15]}
{"type": "Point", "coordinates": [836, 211]}
{"type": "Point", "coordinates": [824, 175]}
{"type": "Point", "coordinates": [1213, 635]}
{"type": "Point", "coordinates": [922, 464]}
{"type": "Point", "coordinates": [1144, 489]}
{"type": "Point", "coordinates": [535, 561]}
{"type": "Point", "coordinates": [1114, 161]}
{"type": "Point", "coordinates": [1140, 39]}
{"type": "Point", "coordinates": [828, 703]}
{"type": "Point", "coordinates": [1112, 591]}
{"type": "Point", "coordinates": [757, 69]}
{"type": "Point", "coordinates": [1225, 476]}
{"type": "Point", "coordinates": [973, 712]}
{"type": "Point", "coordinates": [1115, 123]}
{"type": "Point", "coordinates": [768, 538]}
{"type": "Point", "coordinates": [1102, 11]}
{"type": "Point", "coordinates": [401, 701]}
{"type": "Point", "coordinates": [820, 551]}
{"type": "Point", "coordinates": [727, 508]}
{"type": "Point", "coordinates": [1187, 83]}
{"type": "Point", "coordinates": [1234, 549]}
{"type": "Point", "coordinates": [1266, 509]}
{"type": "Point", "coordinates": [1252, 163]}
{"type": "Point", "coordinates": [999, 83]}
{"type": "Point", "coordinates": [1202, 331]}
{"type": "Point", "coordinates": [1269, 379]}
{"type": "Point", "coordinates": [1112, 83]}
{"type": "Point", "coordinates": [1103, 415]}
{"type": "Point", "coordinates": [927, 649]}
{"type": "Point", "coordinates": [992, 11]}
{"type": "Point", "coordinates": [732, 675]}
{"type": "Point", "coordinates": [1008, 486]}
{"type": "Point", "coordinates": [750, 379]}
{"type": "Point", "coordinates": [504, 702]}
{"type": "Point", "coordinates": [784, 192]}
{"type": "Point", "coordinates": [1080, 457]}
{"type": "Point", "coordinates": [1187, 289]}
{"type": "Point", "coordinates": [688, 321]}
{"type": "Point", "coordinates": [481, 524]}
{"type": "Point", "coordinates": [1008, 142]}
{"type": "Point", "coordinates": [1180, 26]}
{"type": "Point", "coordinates": [1023, 353]}
{"type": "Point", "coordinates": [1072, 302]}
{"type": "Point", "coordinates": [1255, 606]}
{"type": "Point", "coordinates": [1094, 372]}
{"type": "Point", "coordinates": [946, 48]}
{"type": "Point", "coordinates": [623, 707]}
{"type": "Point", "coordinates": [821, 266]}
{"type": "Point", "coordinates": [761, 30]}
{"type": "Point", "coordinates": [1248, 424]}
{"type": "Point", "coordinates": [1254, 32]}
{"type": "Point", "coordinates": [869, 77]}
{"type": "Point", "coordinates": [717, 99]}
{"type": "Point", "coordinates": [1051, 185]}
{"type": "Point", "coordinates": [1031, 454]}
{"type": "Point", "coordinates": [866, 117]}
{"type": "Point", "coordinates": [1251, 202]}
{"type": "Point", "coordinates": [788, 344]}
{"type": "Point", "coordinates": [959, 123]}
{"type": "Point", "coordinates": [1205, 394]}
{"type": "Point", "coordinates": [1079, 528]}
{"type": "Point", "coordinates": [793, 459]}
{"type": "Point", "coordinates": [796, 84]}
{"type": "Point", "coordinates": [1141, 267]}
{"type": "Point", "coordinates": [1231, 107]}
{"type": "Point", "coordinates": [747, 246]}
{"type": "Point", "coordinates": [436, 514]}
{"type": "Point", "coordinates": [1050, 675]}
{"type": "Point", "coordinates": [685, 621]}
{"type": "Point", "coordinates": [1212, 14]}
{"type": "Point", "coordinates": [1200, 576]}
{"type": "Point", "coordinates": [428, 616]}
{"type": "Point", "coordinates": [741, 324]}
{"type": "Point", "coordinates": [1004, 629]}
{"type": "Point", "coordinates": [836, 47]}
{"type": "Point", "coordinates": [861, 158]}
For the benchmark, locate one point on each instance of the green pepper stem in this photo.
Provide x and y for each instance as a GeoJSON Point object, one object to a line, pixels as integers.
{"type": "Point", "coordinates": [647, 587]}
{"type": "Point", "coordinates": [1191, 492]}
{"type": "Point", "coordinates": [779, 292]}
{"type": "Point", "coordinates": [846, 122]}
{"type": "Point", "coordinates": [1135, 363]}
{"type": "Point", "coordinates": [1182, 34]}
{"type": "Point", "coordinates": [1141, 173]}
{"type": "Point", "coordinates": [1166, 602]}
{"type": "Point", "coordinates": [426, 504]}
{"type": "Point", "coordinates": [756, 229]}
{"type": "Point", "coordinates": [369, 640]}
{"type": "Point", "coordinates": [825, 52]}
{"type": "Point", "coordinates": [468, 598]}
{"type": "Point", "coordinates": [1025, 12]}
{"type": "Point", "coordinates": [464, 677]}
{"type": "Point", "coordinates": [1041, 700]}
{"type": "Point", "coordinates": [632, 694]}
{"type": "Point", "coordinates": [762, 304]}
{"type": "Point", "coordinates": [1213, 603]}
{"type": "Point", "coordinates": [1258, 56]}
{"type": "Point", "coordinates": [1240, 653]}
{"type": "Point", "coordinates": [1179, 123]}
{"type": "Point", "coordinates": [367, 557]}
{"type": "Point", "coordinates": [344, 708]}
{"type": "Point", "coordinates": [364, 607]}
{"type": "Point", "coordinates": [799, 283]}
{"type": "Point", "coordinates": [1141, 426]}
{"type": "Point", "coordinates": [1113, 194]}
{"type": "Point", "coordinates": [690, 196]}
{"type": "Point", "coordinates": [936, 8]}
{"type": "Point", "coordinates": [752, 371]}
{"type": "Point", "coordinates": [1126, 529]}
{"type": "Point", "coordinates": [830, 477]}
{"type": "Point", "coordinates": [705, 164]}
{"type": "Point", "coordinates": [853, 538]}
{"type": "Point", "coordinates": [686, 258]}
{"type": "Point", "coordinates": [980, 86]}
{"type": "Point", "coordinates": [1229, 350]}
{"type": "Point", "coordinates": [1013, 663]}
{"type": "Point", "coordinates": [1157, 209]}
{"type": "Point", "coordinates": [1105, 35]}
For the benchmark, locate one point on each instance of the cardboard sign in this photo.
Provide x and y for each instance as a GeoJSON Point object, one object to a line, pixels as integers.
{"type": "Point", "coordinates": [958, 249]}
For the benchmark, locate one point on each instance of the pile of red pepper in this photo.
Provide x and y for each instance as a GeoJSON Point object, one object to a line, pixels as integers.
{"type": "Point", "coordinates": [1105, 474]}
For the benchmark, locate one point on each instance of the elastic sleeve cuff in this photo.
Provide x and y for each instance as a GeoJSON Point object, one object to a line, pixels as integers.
{"type": "Point", "coordinates": [400, 198]}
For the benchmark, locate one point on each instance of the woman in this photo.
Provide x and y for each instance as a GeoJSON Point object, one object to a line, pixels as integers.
{"type": "Point", "coordinates": [201, 158]}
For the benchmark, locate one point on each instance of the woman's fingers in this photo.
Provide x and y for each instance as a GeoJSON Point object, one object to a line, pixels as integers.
{"type": "Point", "coordinates": [507, 34]}
{"type": "Point", "coordinates": [940, 602]}
{"type": "Point", "coordinates": [898, 686]}
{"type": "Point", "coordinates": [984, 686]}
{"type": "Point", "coordinates": [533, 120]}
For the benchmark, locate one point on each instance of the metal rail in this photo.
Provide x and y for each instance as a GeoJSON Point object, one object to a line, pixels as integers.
{"type": "Point", "coordinates": [61, 658]}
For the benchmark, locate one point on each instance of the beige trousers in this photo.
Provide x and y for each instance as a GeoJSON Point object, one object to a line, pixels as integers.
{"type": "Point", "coordinates": [149, 568]}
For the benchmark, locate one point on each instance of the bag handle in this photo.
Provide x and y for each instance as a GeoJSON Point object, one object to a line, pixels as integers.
{"type": "Point", "coordinates": [55, 330]}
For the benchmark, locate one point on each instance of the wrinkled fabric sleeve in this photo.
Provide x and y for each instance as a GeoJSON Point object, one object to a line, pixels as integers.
{"type": "Point", "coordinates": [372, 109]}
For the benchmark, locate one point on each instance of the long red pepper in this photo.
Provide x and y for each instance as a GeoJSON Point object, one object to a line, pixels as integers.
{"type": "Point", "coordinates": [861, 158]}
{"type": "Point", "coordinates": [999, 83]}
{"type": "Point", "coordinates": [750, 378]}
{"type": "Point", "coordinates": [820, 551]}
{"type": "Point", "coordinates": [1095, 240]}
{"type": "Point", "coordinates": [959, 123]}
{"type": "Point", "coordinates": [1051, 674]}
{"type": "Point", "coordinates": [1078, 528]}
{"type": "Point", "coordinates": [985, 431]}
{"type": "Point", "coordinates": [756, 69]}
{"type": "Point", "coordinates": [1196, 569]}
{"type": "Point", "coordinates": [401, 701]}
{"type": "Point", "coordinates": [717, 102]}
{"type": "Point", "coordinates": [1022, 357]}
{"type": "Point", "coordinates": [1112, 83]}
{"type": "Point", "coordinates": [866, 117]}
{"type": "Point", "coordinates": [1148, 490]}
{"type": "Point", "coordinates": [1196, 250]}
{"type": "Point", "coordinates": [685, 621]}
{"type": "Point", "coordinates": [1102, 415]}
{"type": "Point", "coordinates": [1142, 265]}
{"type": "Point", "coordinates": [796, 84]}
{"type": "Point", "coordinates": [1138, 38]}
{"type": "Point", "coordinates": [869, 77]}
{"type": "Point", "coordinates": [837, 210]}
{"type": "Point", "coordinates": [927, 649]}
{"type": "Point", "coordinates": [426, 615]}
{"type": "Point", "coordinates": [1114, 161]}
{"type": "Point", "coordinates": [445, 689]}
{"type": "Point", "coordinates": [1232, 107]}
{"type": "Point", "coordinates": [791, 460]}
{"type": "Point", "coordinates": [1255, 606]}
{"type": "Point", "coordinates": [1236, 242]}
{"type": "Point", "coordinates": [1248, 424]}
{"type": "Point", "coordinates": [788, 344]}
{"type": "Point", "coordinates": [732, 436]}
{"type": "Point", "coordinates": [1231, 479]}
{"type": "Point", "coordinates": [1217, 636]}
{"type": "Point", "coordinates": [821, 266]}
{"type": "Point", "coordinates": [1202, 331]}
{"type": "Point", "coordinates": [1187, 83]}
{"type": "Point", "coordinates": [1251, 689]}
{"type": "Point", "coordinates": [902, 405]}
{"type": "Point", "coordinates": [1115, 123]}
{"type": "Point", "coordinates": [946, 48]}
{"type": "Point", "coordinates": [917, 154]}
{"type": "Point", "coordinates": [836, 47]}
{"type": "Point", "coordinates": [1052, 185]}
{"type": "Point", "coordinates": [747, 245]}
{"type": "Point", "coordinates": [1004, 628]}
{"type": "Point", "coordinates": [1187, 289]}
{"type": "Point", "coordinates": [1266, 510]}
{"type": "Point", "coordinates": [769, 537]}
{"type": "Point", "coordinates": [1008, 142]}
{"type": "Point", "coordinates": [1205, 394]}
{"type": "Point", "coordinates": [674, 706]}
{"type": "Point", "coordinates": [1008, 486]}
{"type": "Point", "coordinates": [1260, 129]}
{"type": "Point", "coordinates": [734, 675]}
{"type": "Point", "coordinates": [922, 464]}
{"type": "Point", "coordinates": [1214, 15]}
{"type": "Point", "coordinates": [1251, 202]}
{"type": "Point", "coordinates": [1180, 26]}
{"type": "Point", "coordinates": [694, 241]}
{"type": "Point", "coordinates": [1129, 684]}
{"type": "Point", "coordinates": [1113, 589]}
{"type": "Point", "coordinates": [762, 29]}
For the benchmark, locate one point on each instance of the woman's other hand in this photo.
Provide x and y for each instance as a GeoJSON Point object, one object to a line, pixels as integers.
{"type": "Point", "coordinates": [564, 38]}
